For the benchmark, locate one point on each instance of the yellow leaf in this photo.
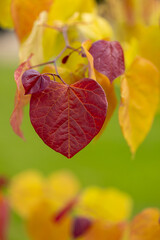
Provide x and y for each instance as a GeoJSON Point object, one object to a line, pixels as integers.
{"type": "Point", "coordinates": [149, 44]}
{"type": "Point", "coordinates": [60, 12]}
{"type": "Point", "coordinates": [25, 192]}
{"type": "Point", "coordinates": [53, 41]}
{"type": "Point", "coordinates": [59, 194]}
{"type": "Point", "coordinates": [86, 46]}
{"type": "Point", "coordinates": [41, 225]}
{"type": "Point", "coordinates": [33, 44]}
{"type": "Point", "coordinates": [105, 204]}
{"type": "Point", "coordinates": [131, 51]}
{"type": "Point", "coordinates": [5, 14]}
{"type": "Point", "coordinates": [66, 74]}
{"type": "Point", "coordinates": [139, 101]}
{"type": "Point", "coordinates": [29, 189]}
{"type": "Point", "coordinates": [145, 225]}
{"type": "Point", "coordinates": [94, 27]}
{"type": "Point", "coordinates": [25, 12]}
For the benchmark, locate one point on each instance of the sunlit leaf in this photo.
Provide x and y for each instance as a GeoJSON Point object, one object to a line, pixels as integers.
{"type": "Point", "coordinates": [57, 11]}
{"type": "Point", "coordinates": [146, 226]}
{"type": "Point", "coordinates": [53, 41]}
{"type": "Point", "coordinates": [66, 73]}
{"type": "Point", "coordinates": [20, 99]}
{"type": "Point", "coordinates": [29, 188]}
{"type": "Point", "coordinates": [41, 227]}
{"type": "Point", "coordinates": [131, 51]}
{"type": "Point", "coordinates": [67, 117]}
{"type": "Point", "coordinates": [86, 46]}
{"type": "Point", "coordinates": [24, 14]}
{"type": "Point", "coordinates": [33, 44]}
{"type": "Point", "coordinates": [25, 192]}
{"type": "Point", "coordinates": [149, 45]}
{"type": "Point", "coordinates": [94, 27]}
{"type": "Point", "coordinates": [104, 204]}
{"type": "Point", "coordinates": [5, 14]}
{"type": "Point", "coordinates": [56, 191]}
{"type": "Point", "coordinates": [139, 101]}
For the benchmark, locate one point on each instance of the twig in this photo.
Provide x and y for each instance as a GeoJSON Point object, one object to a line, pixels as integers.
{"type": "Point", "coordinates": [67, 46]}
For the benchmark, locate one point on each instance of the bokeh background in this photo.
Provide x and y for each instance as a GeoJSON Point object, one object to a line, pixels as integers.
{"type": "Point", "coordinates": [106, 162]}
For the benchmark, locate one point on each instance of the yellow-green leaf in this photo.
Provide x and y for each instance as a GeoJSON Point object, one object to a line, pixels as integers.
{"type": "Point", "coordinates": [5, 14]}
{"type": "Point", "coordinates": [33, 44]}
{"type": "Point", "coordinates": [53, 41]}
{"type": "Point", "coordinates": [139, 101]}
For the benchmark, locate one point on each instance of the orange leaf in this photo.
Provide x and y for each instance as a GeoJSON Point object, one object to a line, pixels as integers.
{"type": "Point", "coordinates": [146, 226]}
{"type": "Point", "coordinates": [139, 101]}
{"type": "Point", "coordinates": [104, 231]}
{"type": "Point", "coordinates": [41, 227]}
{"type": "Point", "coordinates": [25, 12]}
{"type": "Point", "coordinates": [20, 99]}
{"type": "Point", "coordinates": [86, 46]}
{"type": "Point", "coordinates": [110, 95]}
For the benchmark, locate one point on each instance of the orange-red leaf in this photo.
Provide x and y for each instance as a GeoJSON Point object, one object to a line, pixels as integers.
{"type": "Point", "coordinates": [25, 12]}
{"type": "Point", "coordinates": [20, 99]}
{"type": "Point", "coordinates": [67, 117]}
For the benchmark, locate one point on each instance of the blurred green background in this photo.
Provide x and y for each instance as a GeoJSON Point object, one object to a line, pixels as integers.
{"type": "Point", "coordinates": [106, 162]}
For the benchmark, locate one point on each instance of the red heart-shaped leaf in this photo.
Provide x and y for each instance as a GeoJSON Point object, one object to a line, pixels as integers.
{"type": "Point", "coordinates": [108, 58]}
{"type": "Point", "coordinates": [67, 117]}
{"type": "Point", "coordinates": [34, 82]}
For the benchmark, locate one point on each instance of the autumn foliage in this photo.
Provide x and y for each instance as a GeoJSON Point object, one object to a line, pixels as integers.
{"type": "Point", "coordinates": [50, 211]}
{"type": "Point", "coordinates": [63, 52]}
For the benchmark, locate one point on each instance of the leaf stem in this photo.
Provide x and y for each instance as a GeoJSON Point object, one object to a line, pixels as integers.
{"type": "Point", "coordinates": [57, 74]}
{"type": "Point", "coordinates": [67, 46]}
